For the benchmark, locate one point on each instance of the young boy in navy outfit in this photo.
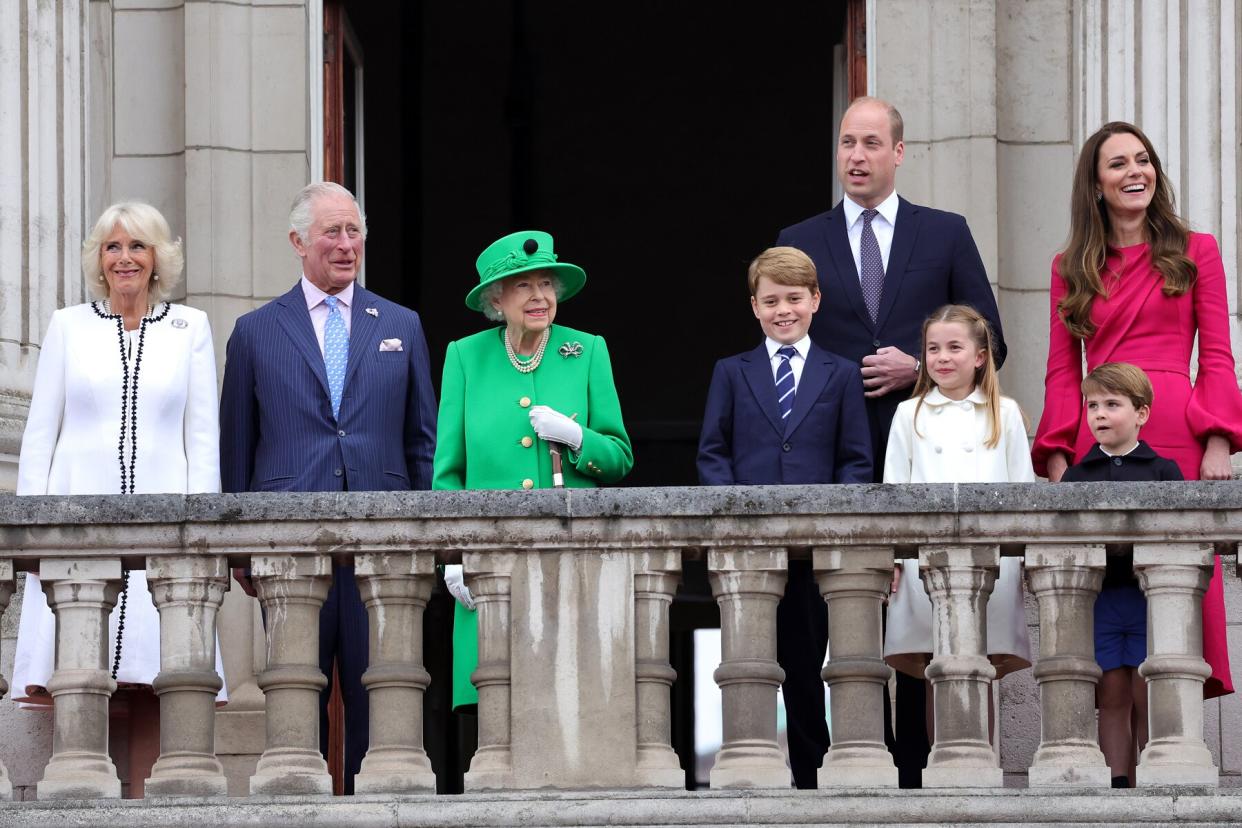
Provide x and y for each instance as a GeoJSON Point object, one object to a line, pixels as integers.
{"type": "Point", "coordinates": [1118, 398]}
{"type": "Point", "coordinates": [789, 412]}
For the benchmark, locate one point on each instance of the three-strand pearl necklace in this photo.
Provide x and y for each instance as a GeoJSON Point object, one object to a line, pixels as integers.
{"type": "Point", "coordinates": [533, 362]}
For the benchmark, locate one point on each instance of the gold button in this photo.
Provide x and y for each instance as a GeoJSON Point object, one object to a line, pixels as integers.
{"type": "Point", "coordinates": [528, 483]}
{"type": "Point", "coordinates": [527, 442]}
{"type": "Point", "coordinates": [524, 402]}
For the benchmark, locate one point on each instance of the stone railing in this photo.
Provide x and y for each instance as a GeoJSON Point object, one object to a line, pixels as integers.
{"type": "Point", "coordinates": [573, 591]}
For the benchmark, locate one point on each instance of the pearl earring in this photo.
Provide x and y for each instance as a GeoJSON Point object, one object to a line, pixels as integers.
{"type": "Point", "coordinates": [155, 277]}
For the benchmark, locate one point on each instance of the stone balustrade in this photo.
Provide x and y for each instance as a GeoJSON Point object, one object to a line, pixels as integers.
{"type": "Point", "coordinates": [573, 591]}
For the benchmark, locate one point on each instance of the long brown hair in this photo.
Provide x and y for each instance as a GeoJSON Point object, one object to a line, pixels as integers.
{"type": "Point", "coordinates": [1084, 257]}
{"type": "Point", "coordinates": [985, 375]}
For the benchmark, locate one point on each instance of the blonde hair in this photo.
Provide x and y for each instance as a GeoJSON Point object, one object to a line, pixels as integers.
{"type": "Point", "coordinates": [786, 266]}
{"type": "Point", "coordinates": [1120, 378]}
{"type": "Point", "coordinates": [985, 375]}
{"type": "Point", "coordinates": [146, 224]}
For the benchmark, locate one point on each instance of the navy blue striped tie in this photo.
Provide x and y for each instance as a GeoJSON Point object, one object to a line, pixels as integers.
{"type": "Point", "coordinates": [785, 380]}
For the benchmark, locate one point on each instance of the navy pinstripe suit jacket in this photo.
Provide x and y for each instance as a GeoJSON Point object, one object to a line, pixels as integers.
{"type": "Point", "coordinates": [277, 432]}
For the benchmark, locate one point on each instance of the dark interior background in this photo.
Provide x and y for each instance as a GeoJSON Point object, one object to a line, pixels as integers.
{"type": "Point", "coordinates": [663, 145]}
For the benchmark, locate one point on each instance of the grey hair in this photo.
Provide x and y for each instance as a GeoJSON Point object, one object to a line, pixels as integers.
{"type": "Point", "coordinates": [492, 292]}
{"type": "Point", "coordinates": [145, 224]}
{"type": "Point", "coordinates": [300, 210]}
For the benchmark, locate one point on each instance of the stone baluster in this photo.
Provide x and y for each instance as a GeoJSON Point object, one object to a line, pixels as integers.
{"type": "Point", "coordinates": [959, 580]}
{"type": "Point", "coordinates": [1065, 579]}
{"type": "Point", "coordinates": [395, 587]}
{"type": "Point", "coordinates": [6, 591]}
{"type": "Point", "coordinates": [855, 582]}
{"type": "Point", "coordinates": [292, 589]}
{"type": "Point", "coordinates": [489, 575]}
{"type": "Point", "coordinates": [187, 591]}
{"type": "Point", "coordinates": [748, 584]}
{"type": "Point", "coordinates": [81, 593]}
{"type": "Point", "coordinates": [1175, 576]}
{"type": "Point", "coordinates": [655, 581]}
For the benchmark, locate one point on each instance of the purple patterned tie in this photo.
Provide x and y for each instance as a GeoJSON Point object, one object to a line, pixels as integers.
{"type": "Point", "coordinates": [872, 276]}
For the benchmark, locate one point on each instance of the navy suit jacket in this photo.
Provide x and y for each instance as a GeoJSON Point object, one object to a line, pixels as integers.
{"type": "Point", "coordinates": [933, 262]}
{"type": "Point", "coordinates": [277, 432]}
{"type": "Point", "coordinates": [824, 440]}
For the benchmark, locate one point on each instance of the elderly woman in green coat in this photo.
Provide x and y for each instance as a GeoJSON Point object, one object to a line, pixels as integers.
{"type": "Point", "coordinates": [512, 392]}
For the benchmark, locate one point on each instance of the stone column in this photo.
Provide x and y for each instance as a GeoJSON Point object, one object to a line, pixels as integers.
{"type": "Point", "coordinates": [748, 584]}
{"type": "Point", "coordinates": [395, 588]}
{"type": "Point", "coordinates": [489, 575]}
{"type": "Point", "coordinates": [187, 591]}
{"type": "Point", "coordinates": [292, 589]}
{"type": "Point", "coordinates": [855, 581]}
{"type": "Point", "coordinates": [959, 580]}
{"type": "Point", "coordinates": [1174, 576]}
{"type": "Point", "coordinates": [82, 594]}
{"type": "Point", "coordinates": [6, 591]}
{"type": "Point", "coordinates": [1065, 579]}
{"type": "Point", "coordinates": [655, 581]}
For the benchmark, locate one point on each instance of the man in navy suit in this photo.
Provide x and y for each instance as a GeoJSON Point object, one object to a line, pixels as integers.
{"type": "Point", "coordinates": [328, 388]}
{"type": "Point", "coordinates": [789, 412]}
{"type": "Point", "coordinates": [884, 265]}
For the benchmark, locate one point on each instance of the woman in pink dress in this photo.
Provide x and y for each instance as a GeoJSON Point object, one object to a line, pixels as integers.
{"type": "Point", "coordinates": [1135, 285]}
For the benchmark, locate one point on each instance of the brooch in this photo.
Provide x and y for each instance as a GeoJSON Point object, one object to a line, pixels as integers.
{"type": "Point", "coordinates": [373, 312]}
{"type": "Point", "coordinates": [180, 323]}
{"type": "Point", "coordinates": [571, 349]}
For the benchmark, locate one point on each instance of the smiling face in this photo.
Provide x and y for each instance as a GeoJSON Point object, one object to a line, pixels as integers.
{"type": "Point", "coordinates": [1114, 420]}
{"type": "Point", "coordinates": [528, 302]}
{"type": "Point", "coordinates": [867, 157]}
{"type": "Point", "coordinates": [127, 264]}
{"type": "Point", "coordinates": [784, 311]}
{"type": "Point", "coordinates": [1125, 176]}
{"type": "Point", "coordinates": [952, 358]}
{"type": "Point", "coordinates": [332, 252]}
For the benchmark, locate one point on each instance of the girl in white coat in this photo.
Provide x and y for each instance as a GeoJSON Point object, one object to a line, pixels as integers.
{"type": "Point", "coordinates": [957, 428]}
{"type": "Point", "coordinates": [124, 402]}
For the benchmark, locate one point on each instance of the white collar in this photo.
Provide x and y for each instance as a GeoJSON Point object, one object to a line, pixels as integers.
{"type": "Point", "coordinates": [1123, 454]}
{"type": "Point", "coordinates": [314, 295]}
{"type": "Point", "coordinates": [886, 208]}
{"type": "Point", "coordinates": [935, 398]}
{"type": "Point", "coordinates": [802, 346]}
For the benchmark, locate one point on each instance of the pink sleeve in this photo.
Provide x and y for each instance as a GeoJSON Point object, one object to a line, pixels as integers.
{"type": "Point", "coordinates": [1058, 427]}
{"type": "Point", "coordinates": [1215, 405]}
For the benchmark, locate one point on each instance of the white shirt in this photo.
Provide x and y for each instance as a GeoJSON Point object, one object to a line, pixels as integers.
{"type": "Point", "coordinates": [319, 311]}
{"type": "Point", "coordinates": [802, 346]}
{"type": "Point", "coordinates": [882, 225]}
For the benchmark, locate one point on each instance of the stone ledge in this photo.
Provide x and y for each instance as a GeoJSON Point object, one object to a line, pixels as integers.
{"type": "Point", "coordinates": [825, 808]}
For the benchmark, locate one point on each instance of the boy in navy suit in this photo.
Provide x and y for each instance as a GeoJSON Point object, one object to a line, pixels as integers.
{"type": "Point", "coordinates": [789, 412]}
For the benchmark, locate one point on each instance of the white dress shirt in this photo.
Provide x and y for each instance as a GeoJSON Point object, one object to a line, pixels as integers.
{"type": "Point", "coordinates": [882, 225]}
{"type": "Point", "coordinates": [319, 311]}
{"type": "Point", "coordinates": [802, 346]}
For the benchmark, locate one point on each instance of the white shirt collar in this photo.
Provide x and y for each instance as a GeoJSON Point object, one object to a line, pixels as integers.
{"type": "Point", "coordinates": [314, 295]}
{"type": "Point", "coordinates": [1123, 454]}
{"type": "Point", "coordinates": [887, 209]}
{"type": "Point", "coordinates": [935, 398]}
{"type": "Point", "coordinates": [802, 346]}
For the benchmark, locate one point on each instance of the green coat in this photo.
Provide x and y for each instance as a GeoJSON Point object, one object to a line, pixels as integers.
{"type": "Point", "coordinates": [484, 439]}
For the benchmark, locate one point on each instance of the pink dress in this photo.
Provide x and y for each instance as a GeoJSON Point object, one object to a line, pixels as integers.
{"type": "Point", "coordinates": [1137, 323]}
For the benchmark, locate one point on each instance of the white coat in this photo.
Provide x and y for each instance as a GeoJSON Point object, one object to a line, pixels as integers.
{"type": "Point", "coordinates": [949, 446]}
{"type": "Point", "coordinates": [70, 447]}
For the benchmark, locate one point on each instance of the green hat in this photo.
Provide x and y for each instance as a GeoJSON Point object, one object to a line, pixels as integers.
{"type": "Point", "coordinates": [522, 252]}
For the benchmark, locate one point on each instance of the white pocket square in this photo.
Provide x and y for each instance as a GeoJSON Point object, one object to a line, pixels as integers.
{"type": "Point", "coordinates": [391, 345]}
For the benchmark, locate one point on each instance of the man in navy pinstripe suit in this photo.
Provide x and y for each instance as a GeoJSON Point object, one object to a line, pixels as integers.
{"type": "Point", "coordinates": [329, 345]}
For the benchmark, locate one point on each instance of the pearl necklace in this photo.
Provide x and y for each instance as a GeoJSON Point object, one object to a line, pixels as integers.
{"type": "Point", "coordinates": [533, 362]}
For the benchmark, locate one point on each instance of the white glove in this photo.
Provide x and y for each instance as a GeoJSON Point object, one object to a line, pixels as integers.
{"type": "Point", "coordinates": [456, 586]}
{"type": "Point", "coordinates": [555, 427]}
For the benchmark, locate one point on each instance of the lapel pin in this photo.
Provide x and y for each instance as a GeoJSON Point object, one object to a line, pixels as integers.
{"type": "Point", "coordinates": [373, 312]}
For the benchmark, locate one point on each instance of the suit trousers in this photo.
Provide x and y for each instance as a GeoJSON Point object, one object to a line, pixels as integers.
{"type": "Point", "coordinates": [801, 643]}
{"type": "Point", "coordinates": [345, 637]}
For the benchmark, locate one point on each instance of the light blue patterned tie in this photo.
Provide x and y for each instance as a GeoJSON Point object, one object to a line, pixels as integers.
{"type": "Point", "coordinates": [785, 380]}
{"type": "Point", "coordinates": [335, 352]}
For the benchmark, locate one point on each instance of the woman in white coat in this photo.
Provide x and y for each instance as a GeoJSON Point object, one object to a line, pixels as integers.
{"type": "Point", "coordinates": [124, 402]}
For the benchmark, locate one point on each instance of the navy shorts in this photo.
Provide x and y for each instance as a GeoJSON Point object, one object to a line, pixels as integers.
{"type": "Point", "coordinates": [1120, 627]}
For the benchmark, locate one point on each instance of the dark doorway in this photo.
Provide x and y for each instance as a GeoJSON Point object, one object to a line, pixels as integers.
{"type": "Point", "coordinates": [663, 145]}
